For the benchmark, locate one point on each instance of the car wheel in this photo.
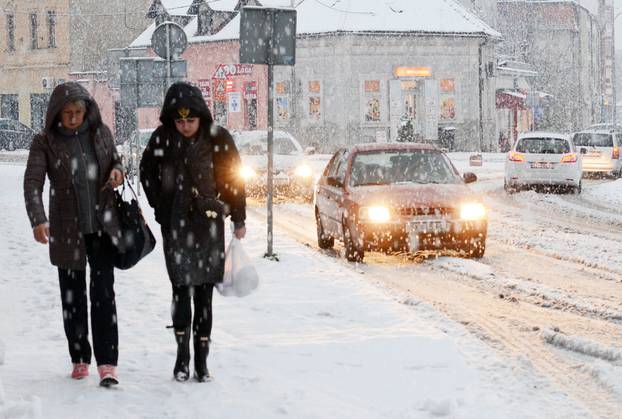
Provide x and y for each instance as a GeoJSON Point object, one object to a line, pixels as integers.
{"type": "Point", "coordinates": [577, 189]}
{"type": "Point", "coordinates": [323, 240]}
{"type": "Point", "coordinates": [476, 248]}
{"type": "Point", "coordinates": [509, 189]}
{"type": "Point", "coordinates": [354, 253]}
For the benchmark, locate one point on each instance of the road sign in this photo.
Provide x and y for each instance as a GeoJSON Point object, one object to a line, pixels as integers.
{"type": "Point", "coordinates": [169, 40]}
{"type": "Point", "coordinates": [268, 36]}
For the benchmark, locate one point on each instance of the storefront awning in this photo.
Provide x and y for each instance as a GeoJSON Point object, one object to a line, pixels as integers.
{"type": "Point", "coordinates": [509, 99]}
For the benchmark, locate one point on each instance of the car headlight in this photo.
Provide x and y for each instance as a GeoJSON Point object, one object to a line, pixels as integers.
{"type": "Point", "coordinates": [303, 171]}
{"type": "Point", "coordinates": [247, 172]}
{"type": "Point", "coordinates": [376, 214]}
{"type": "Point", "coordinates": [472, 211]}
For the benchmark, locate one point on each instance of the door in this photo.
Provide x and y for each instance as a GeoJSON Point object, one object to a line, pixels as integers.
{"type": "Point", "coordinates": [325, 199]}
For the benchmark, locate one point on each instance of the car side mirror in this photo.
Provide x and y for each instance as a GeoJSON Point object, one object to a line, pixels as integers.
{"type": "Point", "coordinates": [582, 150]}
{"type": "Point", "coordinates": [469, 177]}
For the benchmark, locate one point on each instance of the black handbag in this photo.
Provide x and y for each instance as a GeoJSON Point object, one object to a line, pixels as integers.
{"type": "Point", "coordinates": [137, 240]}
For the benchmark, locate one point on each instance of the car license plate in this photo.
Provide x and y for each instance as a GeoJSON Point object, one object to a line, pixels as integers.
{"type": "Point", "coordinates": [542, 165]}
{"type": "Point", "coordinates": [595, 153]}
{"type": "Point", "coordinates": [428, 226]}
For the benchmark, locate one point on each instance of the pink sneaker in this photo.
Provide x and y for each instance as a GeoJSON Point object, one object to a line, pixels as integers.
{"type": "Point", "coordinates": [80, 371]}
{"type": "Point", "coordinates": [107, 375]}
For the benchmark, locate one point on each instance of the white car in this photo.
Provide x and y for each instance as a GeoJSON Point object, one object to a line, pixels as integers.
{"type": "Point", "coordinates": [293, 174]}
{"type": "Point", "coordinates": [543, 159]}
{"type": "Point", "coordinates": [601, 151]}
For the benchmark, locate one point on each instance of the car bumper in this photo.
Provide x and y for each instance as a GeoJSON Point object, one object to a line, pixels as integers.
{"type": "Point", "coordinates": [601, 166]}
{"type": "Point", "coordinates": [415, 235]}
{"type": "Point", "coordinates": [569, 175]}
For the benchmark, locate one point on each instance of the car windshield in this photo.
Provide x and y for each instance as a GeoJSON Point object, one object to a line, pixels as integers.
{"type": "Point", "coordinates": [593, 140]}
{"type": "Point", "coordinates": [543, 146]}
{"type": "Point", "coordinates": [395, 167]}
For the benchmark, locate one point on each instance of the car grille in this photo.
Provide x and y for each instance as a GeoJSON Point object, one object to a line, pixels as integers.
{"type": "Point", "coordinates": [412, 212]}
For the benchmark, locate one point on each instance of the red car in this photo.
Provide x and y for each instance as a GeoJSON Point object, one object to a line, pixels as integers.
{"type": "Point", "coordinates": [398, 196]}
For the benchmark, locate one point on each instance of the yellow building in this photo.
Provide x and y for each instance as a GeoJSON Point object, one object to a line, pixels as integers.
{"type": "Point", "coordinates": [42, 42]}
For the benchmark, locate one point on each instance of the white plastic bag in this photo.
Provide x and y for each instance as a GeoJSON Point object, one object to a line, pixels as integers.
{"type": "Point", "coordinates": [240, 277]}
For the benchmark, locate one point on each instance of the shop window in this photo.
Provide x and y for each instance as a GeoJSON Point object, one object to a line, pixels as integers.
{"type": "Point", "coordinates": [34, 29]}
{"type": "Point", "coordinates": [315, 100]}
{"type": "Point", "coordinates": [447, 100]}
{"type": "Point", "coordinates": [10, 33]}
{"type": "Point", "coordinates": [51, 18]}
{"type": "Point", "coordinates": [372, 100]}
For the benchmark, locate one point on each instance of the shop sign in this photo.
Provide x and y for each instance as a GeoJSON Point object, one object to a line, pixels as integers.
{"type": "Point", "coordinates": [219, 90]}
{"type": "Point", "coordinates": [205, 88]}
{"type": "Point", "coordinates": [224, 71]}
{"type": "Point", "coordinates": [413, 72]}
{"type": "Point", "coordinates": [235, 104]}
{"type": "Point", "coordinates": [229, 86]}
{"type": "Point", "coordinates": [250, 90]}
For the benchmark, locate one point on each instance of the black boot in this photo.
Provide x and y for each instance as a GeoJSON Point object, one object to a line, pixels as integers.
{"type": "Point", "coordinates": [201, 350]}
{"type": "Point", "coordinates": [182, 364]}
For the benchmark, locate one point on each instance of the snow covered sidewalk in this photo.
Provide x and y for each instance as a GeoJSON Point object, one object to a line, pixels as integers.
{"type": "Point", "coordinates": [316, 340]}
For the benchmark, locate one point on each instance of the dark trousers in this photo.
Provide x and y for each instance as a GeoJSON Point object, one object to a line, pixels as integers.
{"type": "Point", "coordinates": [100, 254]}
{"type": "Point", "coordinates": [181, 308]}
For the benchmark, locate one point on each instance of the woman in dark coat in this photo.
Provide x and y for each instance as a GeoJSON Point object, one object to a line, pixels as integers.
{"type": "Point", "coordinates": [190, 173]}
{"type": "Point", "coordinates": [76, 151]}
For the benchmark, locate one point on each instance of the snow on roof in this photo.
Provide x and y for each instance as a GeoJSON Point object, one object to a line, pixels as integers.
{"type": "Point", "coordinates": [177, 7]}
{"type": "Point", "coordinates": [318, 16]}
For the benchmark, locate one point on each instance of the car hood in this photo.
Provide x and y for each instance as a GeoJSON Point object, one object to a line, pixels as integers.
{"type": "Point", "coordinates": [414, 195]}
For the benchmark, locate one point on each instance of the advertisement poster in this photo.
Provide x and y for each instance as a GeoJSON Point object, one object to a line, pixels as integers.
{"type": "Point", "coordinates": [315, 108]}
{"type": "Point", "coordinates": [282, 108]}
{"type": "Point", "coordinates": [372, 112]}
{"type": "Point", "coordinates": [235, 102]}
{"type": "Point", "coordinates": [448, 108]}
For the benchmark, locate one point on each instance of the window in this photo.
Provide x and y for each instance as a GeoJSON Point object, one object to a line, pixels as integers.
{"type": "Point", "coordinates": [9, 106]}
{"type": "Point", "coordinates": [372, 100]}
{"type": "Point", "coordinates": [51, 29]}
{"type": "Point", "coordinates": [543, 146]}
{"type": "Point", "coordinates": [34, 26]}
{"type": "Point", "coordinates": [448, 99]}
{"type": "Point", "coordinates": [10, 33]}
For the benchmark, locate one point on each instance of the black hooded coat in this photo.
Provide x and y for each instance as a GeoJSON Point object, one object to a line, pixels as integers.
{"type": "Point", "coordinates": [50, 156]}
{"type": "Point", "coordinates": [192, 186]}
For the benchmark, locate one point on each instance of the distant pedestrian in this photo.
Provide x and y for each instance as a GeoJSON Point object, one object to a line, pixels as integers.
{"type": "Point", "coordinates": [76, 152]}
{"type": "Point", "coordinates": [190, 173]}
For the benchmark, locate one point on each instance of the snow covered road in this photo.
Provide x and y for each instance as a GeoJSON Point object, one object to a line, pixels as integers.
{"type": "Point", "coordinates": [553, 268]}
{"type": "Point", "coordinates": [321, 338]}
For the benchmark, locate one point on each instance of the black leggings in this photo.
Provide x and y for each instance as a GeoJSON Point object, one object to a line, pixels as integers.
{"type": "Point", "coordinates": [181, 309]}
{"type": "Point", "coordinates": [100, 253]}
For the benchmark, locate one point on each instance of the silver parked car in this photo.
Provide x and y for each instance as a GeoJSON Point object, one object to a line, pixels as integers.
{"type": "Point", "coordinates": [600, 150]}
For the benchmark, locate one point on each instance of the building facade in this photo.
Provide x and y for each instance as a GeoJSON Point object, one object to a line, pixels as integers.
{"type": "Point", "coordinates": [43, 43]}
{"type": "Point", "coordinates": [561, 40]}
{"type": "Point", "coordinates": [365, 81]}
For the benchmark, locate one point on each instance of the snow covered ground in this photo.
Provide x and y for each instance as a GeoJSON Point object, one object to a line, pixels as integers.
{"type": "Point", "coordinates": [317, 340]}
